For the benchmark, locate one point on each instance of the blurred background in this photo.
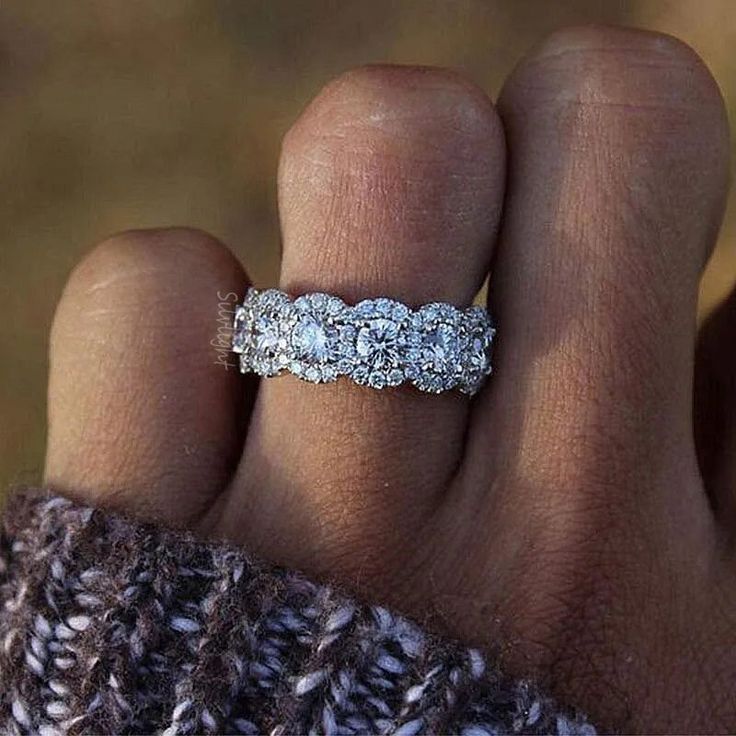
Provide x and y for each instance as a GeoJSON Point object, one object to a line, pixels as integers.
{"type": "Point", "coordinates": [137, 113]}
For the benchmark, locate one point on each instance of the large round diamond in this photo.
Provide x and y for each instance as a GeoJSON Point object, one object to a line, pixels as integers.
{"type": "Point", "coordinates": [435, 364]}
{"type": "Point", "coordinates": [310, 339]}
{"type": "Point", "coordinates": [380, 342]}
{"type": "Point", "coordinates": [439, 347]}
{"type": "Point", "coordinates": [266, 333]}
{"type": "Point", "coordinates": [315, 336]}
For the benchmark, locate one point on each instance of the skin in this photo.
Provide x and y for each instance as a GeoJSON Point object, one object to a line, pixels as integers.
{"type": "Point", "coordinates": [576, 517]}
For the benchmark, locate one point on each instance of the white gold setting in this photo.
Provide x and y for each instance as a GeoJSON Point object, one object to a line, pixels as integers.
{"type": "Point", "coordinates": [376, 343]}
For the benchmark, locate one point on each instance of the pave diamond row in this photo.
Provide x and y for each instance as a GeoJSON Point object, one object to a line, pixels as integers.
{"type": "Point", "coordinates": [377, 342]}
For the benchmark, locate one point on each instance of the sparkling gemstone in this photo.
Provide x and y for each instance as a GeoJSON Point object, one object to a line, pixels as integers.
{"type": "Point", "coordinates": [435, 355]}
{"type": "Point", "coordinates": [478, 340]}
{"type": "Point", "coordinates": [380, 342]}
{"type": "Point", "coordinates": [241, 330]}
{"type": "Point", "coordinates": [266, 333]}
{"type": "Point", "coordinates": [315, 337]}
{"type": "Point", "coordinates": [440, 347]}
{"type": "Point", "coordinates": [246, 365]}
{"type": "Point", "coordinates": [377, 379]}
{"type": "Point", "coordinates": [395, 377]}
{"type": "Point", "coordinates": [310, 339]}
{"type": "Point", "coordinates": [271, 318]}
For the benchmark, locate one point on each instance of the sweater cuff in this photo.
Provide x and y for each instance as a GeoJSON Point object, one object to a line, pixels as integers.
{"type": "Point", "coordinates": [108, 625]}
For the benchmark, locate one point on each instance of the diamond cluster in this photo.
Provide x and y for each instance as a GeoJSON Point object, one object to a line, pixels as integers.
{"type": "Point", "coordinates": [376, 343]}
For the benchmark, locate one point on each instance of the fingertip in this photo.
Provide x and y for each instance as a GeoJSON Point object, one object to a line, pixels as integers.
{"type": "Point", "coordinates": [382, 96]}
{"type": "Point", "coordinates": [603, 64]}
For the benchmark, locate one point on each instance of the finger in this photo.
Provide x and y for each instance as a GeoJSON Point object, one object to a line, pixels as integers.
{"type": "Point", "coordinates": [390, 185]}
{"type": "Point", "coordinates": [715, 409]}
{"type": "Point", "coordinates": [143, 411]}
{"type": "Point", "coordinates": [618, 163]}
{"type": "Point", "coordinates": [581, 467]}
{"type": "Point", "coordinates": [618, 174]}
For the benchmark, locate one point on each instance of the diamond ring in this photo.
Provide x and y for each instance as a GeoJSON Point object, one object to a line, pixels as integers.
{"type": "Point", "coordinates": [376, 343]}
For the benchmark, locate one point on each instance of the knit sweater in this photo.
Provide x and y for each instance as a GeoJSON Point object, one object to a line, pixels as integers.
{"type": "Point", "coordinates": [111, 626]}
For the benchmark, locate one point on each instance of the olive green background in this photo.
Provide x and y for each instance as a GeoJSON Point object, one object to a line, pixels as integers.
{"type": "Point", "coordinates": [126, 113]}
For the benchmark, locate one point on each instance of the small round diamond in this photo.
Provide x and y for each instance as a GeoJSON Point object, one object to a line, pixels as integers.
{"type": "Point", "coordinates": [245, 363]}
{"type": "Point", "coordinates": [380, 331]}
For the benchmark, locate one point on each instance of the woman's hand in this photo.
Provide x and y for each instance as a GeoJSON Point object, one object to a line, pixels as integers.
{"type": "Point", "coordinates": [562, 513]}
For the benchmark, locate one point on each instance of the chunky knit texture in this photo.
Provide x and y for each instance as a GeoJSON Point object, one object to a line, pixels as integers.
{"type": "Point", "coordinates": [111, 626]}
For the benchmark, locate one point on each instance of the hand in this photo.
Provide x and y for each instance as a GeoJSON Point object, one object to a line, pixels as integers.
{"type": "Point", "coordinates": [564, 514]}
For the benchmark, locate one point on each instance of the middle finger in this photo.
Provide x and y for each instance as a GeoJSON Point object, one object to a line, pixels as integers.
{"type": "Point", "coordinates": [390, 185]}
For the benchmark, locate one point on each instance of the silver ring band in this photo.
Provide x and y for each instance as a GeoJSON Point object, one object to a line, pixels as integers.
{"type": "Point", "coordinates": [376, 343]}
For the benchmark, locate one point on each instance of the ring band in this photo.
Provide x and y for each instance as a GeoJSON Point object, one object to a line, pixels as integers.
{"type": "Point", "coordinates": [376, 343]}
